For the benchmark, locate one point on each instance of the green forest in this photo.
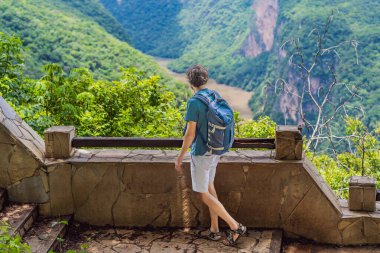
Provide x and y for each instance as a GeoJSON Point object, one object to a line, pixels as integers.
{"type": "Point", "coordinates": [135, 105]}
{"type": "Point", "coordinates": [214, 33]}
{"type": "Point", "coordinates": [64, 65]}
{"type": "Point", "coordinates": [63, 32]}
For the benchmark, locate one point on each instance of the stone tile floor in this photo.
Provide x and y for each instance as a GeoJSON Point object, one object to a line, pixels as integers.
{"type": "Point", "coordinates": [297, 247]}
{"type": "Point", "coordinates": [111, 240]}
{"type": "Point", "coordinates": [145, 241]}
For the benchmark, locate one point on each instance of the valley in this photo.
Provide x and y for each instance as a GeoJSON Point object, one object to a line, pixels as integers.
{"type": "Point", "coordinates": [236, 97]}
{"type": "Point", "coordinates": [241, 43]}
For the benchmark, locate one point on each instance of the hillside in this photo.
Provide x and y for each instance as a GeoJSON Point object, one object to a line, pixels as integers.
{"type": "Point", "coordinates": [239, 40]}
{"type": "Point", "coordinates": [100, 15]}
{"type": "Point", "coordinates": [152, 25]}
{"type": "Point", "coordinates": [63, 32]}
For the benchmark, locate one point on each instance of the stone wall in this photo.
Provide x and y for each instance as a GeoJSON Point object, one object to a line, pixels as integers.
{"type": "Point", "coordinates": [141, 188]}
{"type": "Point", "coordinates": [22, 158]}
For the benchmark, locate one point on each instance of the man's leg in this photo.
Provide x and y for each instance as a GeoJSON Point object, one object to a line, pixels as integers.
{"type": "Point", "coordinates": [217, 208]}
{"type": "Point", "coordinates": [213, 215]}
{"type": "Point", "coordinates": [201, 177]}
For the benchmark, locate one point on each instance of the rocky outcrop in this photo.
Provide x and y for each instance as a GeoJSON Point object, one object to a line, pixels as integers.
{"type": "Point", "coordinates": [261, 36]}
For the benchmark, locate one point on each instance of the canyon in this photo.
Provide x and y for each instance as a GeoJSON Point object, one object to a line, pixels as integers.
{"type": "Point", "coordinates": [236, 97]}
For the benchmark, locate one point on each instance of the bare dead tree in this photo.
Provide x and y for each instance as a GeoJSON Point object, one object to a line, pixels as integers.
{"type": "Point", "coordinates": [320, 98]}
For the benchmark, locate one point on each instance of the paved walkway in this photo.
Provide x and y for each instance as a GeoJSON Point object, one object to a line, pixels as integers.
{"type": "Point", "coordinates": [110, 240]}
{"type": "Point", "coordinates": [145, 241]}
{"type": "Point", "coordinates": [313, 248]}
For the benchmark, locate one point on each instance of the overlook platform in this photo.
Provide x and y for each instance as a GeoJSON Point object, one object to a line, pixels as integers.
{"type": "Point", "coordinates": [123, 240]}
{"type": "Point", "coordinates": [140, 188]}
{"type": "Point", "coordinates": [167, 240]}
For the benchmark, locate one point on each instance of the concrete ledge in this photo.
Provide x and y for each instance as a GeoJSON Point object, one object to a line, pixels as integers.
{"type": "Point", "coordinates": [163, 156]}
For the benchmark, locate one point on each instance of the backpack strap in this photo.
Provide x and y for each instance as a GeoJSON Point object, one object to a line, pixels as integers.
{"type": "Point", "coordinates": [206, 101]}
{"type": "Point", "coordinates": [217, 95]}
{"type": "Point", "coordinates": [202, 98]}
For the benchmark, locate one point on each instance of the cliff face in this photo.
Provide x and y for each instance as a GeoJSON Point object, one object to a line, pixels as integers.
{"type": "Point", "coordinates": [261, 36]}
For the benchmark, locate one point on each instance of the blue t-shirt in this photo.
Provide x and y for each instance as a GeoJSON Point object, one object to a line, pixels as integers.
{"type": "Point", "coordinates": [197, 111]}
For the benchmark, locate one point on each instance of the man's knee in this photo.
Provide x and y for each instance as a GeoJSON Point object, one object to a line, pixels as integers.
{"type": "Point", "coordinates": [202, 196]}
{"type": "Point", "coordinates": [211, 187]}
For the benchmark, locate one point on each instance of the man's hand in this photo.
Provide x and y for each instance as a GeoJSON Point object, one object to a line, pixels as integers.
{"type": "Point", "coordinates": [178, 165]}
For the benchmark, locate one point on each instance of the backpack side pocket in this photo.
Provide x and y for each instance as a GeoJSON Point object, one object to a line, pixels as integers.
{"type": "Point", "coordinates": [215, 139]}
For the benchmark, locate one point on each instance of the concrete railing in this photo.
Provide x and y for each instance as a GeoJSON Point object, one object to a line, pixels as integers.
{"type": "Point", "coordinates": [269, 189]}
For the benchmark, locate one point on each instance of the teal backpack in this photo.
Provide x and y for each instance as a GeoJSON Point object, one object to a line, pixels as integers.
{"type": "Point", "coordinates": [220, 124]}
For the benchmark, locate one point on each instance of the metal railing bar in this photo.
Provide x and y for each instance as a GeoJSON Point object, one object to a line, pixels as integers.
{"type": "Point", "coordinates": [161, 142]}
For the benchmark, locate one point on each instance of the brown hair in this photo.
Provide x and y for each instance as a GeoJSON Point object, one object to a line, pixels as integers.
{"type": "Point", "coordinates": [197, 75]}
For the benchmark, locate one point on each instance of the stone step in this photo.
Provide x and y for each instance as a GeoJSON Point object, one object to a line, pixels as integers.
{"type": "Point", "coordinates": [19, 217]}
{"type": "Point", "coordinates": [3, 198]}
{"type": "Point", "coordinates": [47, 234]}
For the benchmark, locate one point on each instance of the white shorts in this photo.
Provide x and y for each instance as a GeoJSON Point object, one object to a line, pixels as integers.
{"type": "Point", "coordinates": [203, 169]}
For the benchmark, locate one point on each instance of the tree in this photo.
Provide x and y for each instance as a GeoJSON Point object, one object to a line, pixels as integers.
{"type": "Point", "coordinates": [11, 63]}
{"type": "Point", "coordinates": [319, 98]}
{"type": "Point", "coordinates": [362, 159]}
{"type": "Point", "coordinates": [366, 147]}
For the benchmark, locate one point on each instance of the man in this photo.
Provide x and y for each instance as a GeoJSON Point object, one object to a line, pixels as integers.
{"type": "Point", "coordinates": [203, 163]}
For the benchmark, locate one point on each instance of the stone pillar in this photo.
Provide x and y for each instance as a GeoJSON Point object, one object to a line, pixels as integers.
{"type": "Point", "coordinates": [288, 143]}
{"type": "Point", "coordinates": [58, 141]}
{"type": "Point", "coordinates": [362, 194]}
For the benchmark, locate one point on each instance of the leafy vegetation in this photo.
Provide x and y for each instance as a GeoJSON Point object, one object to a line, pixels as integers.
{"type": "Point", "coordinates": [136, 105]}
{"type": "Point", "coordinates": [9, 243]}
{"type": "Point", "coordinates": [264, 127]}
{"type": "Point", "coordinates": [363, 159]}
{"type": "Point", "coordinates": [94, 9]}
{"type": "Point", "coordinates": [152, 25]}
{"type": "Point", "coordinates": [62, 32]}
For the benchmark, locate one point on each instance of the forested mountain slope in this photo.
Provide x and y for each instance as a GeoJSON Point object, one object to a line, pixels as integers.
{"type": "Point", "coordinates": [73, 34]}
{"type": "Point", "coordinates": [239, 40]}
{"type": "Point", "coordinates": [152, 25]}
{"type": "Point", "coordinates": [95, 10]}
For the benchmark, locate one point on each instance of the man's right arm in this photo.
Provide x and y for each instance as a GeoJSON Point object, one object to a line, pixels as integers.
{"type": "Point", "coordinates": [191, 118]}
{"type": "Point", "coordinates": [187, 141]}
